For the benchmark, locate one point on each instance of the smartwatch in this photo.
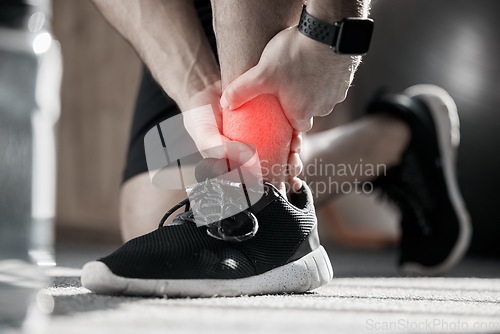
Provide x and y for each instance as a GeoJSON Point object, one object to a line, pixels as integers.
{"type": "Point", "coordinates": [351, 36]}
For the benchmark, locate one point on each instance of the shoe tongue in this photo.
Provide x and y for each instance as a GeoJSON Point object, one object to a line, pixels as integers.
{"type": "Point", "coordinates": [210, 168]}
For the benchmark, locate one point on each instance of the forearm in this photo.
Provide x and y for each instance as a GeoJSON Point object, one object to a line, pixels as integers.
{"type": "Point", "coordinates": [169, 38]}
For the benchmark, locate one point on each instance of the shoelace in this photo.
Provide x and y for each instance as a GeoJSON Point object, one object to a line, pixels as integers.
{"type": "Point", "coordinates": [176, 207]}
{"type": "Point", "coordinates": [221, 206]}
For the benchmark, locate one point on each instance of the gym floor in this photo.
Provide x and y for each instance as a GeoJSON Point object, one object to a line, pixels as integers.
{"type": "Point", "coordinates": [367, 295]}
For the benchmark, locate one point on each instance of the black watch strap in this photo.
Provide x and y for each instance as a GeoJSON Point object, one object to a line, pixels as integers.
{"type": "Point", "coordinates": [318, 30]}
{"type": "Point", "coordinates": [350, 36]}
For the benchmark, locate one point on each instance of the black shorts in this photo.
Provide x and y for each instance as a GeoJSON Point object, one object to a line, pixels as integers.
{"type": "Point", "coordinates": [153, 105]}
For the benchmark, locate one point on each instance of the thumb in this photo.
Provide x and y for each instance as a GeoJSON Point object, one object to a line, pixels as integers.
{"type": "Point", "coordinates": [243, 89]}
{"type": "Point", "coordinates": [201, 125]}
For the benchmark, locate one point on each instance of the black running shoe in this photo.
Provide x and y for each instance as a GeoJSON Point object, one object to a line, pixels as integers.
{"type": "Point", "coordinates": [435, 224]}
{"type": "Point", "coordinates": [184, 259]}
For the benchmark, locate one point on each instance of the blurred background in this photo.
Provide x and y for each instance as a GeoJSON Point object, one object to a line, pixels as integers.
{"type": "Point", "coordinates": [101, 75]}
{"type": "Point", "coordinates": [451, 44]}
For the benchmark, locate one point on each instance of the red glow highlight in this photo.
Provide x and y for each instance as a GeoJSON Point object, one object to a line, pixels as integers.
{"type": "Point", "coordinates": [262, 122]}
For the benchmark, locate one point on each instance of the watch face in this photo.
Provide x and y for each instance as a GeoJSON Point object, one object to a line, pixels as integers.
{"type": "Point", "coordinates": [354, 36]}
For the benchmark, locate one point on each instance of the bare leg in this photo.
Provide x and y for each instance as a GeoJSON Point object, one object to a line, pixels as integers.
{"type": "Point", "coordinates": [376, 139]}
{"type": "Point", "coordinates": [142, 205]}
{"type": "Point", "coordinates": [243, 28]}
{"type": "Point", "coordinates": [241, 39]}
{"type": "Point", "coordinates": [356, 152]}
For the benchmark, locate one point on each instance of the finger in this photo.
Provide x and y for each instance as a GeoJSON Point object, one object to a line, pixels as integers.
{"type": "Point", "coordinates": [296, 143]}
{"type": "Point", "coordinates": [243, 89]}
{"type": "Point", "coordinates": [241, 154]}
{"type": "Point", "coordinates": [218, 116]}
{"type": "Point", "coordinates": [294, 165]}
{"type": "Point", "coordinates": [201, 125]}
{"type": "Point", "coordinates": [213, 146]}
{"type": "Point", "coordinates": [302, 125]}
{"type": "Point", "coordinates": [295, 184]}
{"type": "Point", "coordinates": [325, 112]}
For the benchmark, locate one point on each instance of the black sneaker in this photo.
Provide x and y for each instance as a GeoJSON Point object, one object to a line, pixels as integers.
{"type": "Point", "coordinates": [435, 224]}
{"type": "Point", "coordinates": [183, 259]}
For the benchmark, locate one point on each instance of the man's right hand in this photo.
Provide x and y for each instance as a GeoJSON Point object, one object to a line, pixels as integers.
{"type": "Point", "coordinates": [308, 78]}
{"type": "Point", "coordinates": [203, 121]}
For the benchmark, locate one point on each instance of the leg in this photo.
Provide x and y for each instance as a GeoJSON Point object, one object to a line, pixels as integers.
{"type": "Point", "coordinates": [142, 205]}
{"type": "Point", "coordinates": [374, 140]}
{"type": "Point", "coordinates": [241, 39]}
{"type": "Point", "coordinates": [377, 140]}
{"type": "Point", "coordinates": [182, 260]}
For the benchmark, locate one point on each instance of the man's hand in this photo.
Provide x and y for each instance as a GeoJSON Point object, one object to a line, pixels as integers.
{"type": "Point", "coordinates": [295, 164]}
{"type": "Point", "coordinates": [203, 120]}
{"type": "Point", "coordinates": [308, 78]}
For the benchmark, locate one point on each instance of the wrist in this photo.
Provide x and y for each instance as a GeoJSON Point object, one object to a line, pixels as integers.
{"type": "Point", "coordinates": [349, 36]}
{"type": "Point", "coordinates": [307, 43]}
{"type": "Point", "coordinates": [184, 94]}
{"type": "Point", "coordinates": [321, 51]}
{"type": "Point", "coordinates": [195, 87]}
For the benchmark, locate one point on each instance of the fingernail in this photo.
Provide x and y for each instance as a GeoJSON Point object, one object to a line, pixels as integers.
{"type": "Point", "coordinates": [224, 104]}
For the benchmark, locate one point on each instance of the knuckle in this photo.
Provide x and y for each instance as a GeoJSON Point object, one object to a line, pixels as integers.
{"type": "Point", "coordinates": [326, 110]}
{"type": "Point", "coordinates": [261, 79]}
{"type": "Point", "coordinates": [306, 125]}
{"type": "Point", "coordinates": [299, 167]}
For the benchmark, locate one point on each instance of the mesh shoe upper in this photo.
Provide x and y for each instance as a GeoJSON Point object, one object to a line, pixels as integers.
{"type": "Point", "coordinates": [184, 251]}
{"type": "Point", "coordinates": [429, 223]}
{"type": "Point", "coordinates": [429, 227]}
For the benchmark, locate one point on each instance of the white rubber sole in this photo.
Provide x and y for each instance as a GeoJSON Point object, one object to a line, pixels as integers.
{"type": "Point", "coordinates": [305, 274]}
{"type": "Point", "coordinates": [445, 116]}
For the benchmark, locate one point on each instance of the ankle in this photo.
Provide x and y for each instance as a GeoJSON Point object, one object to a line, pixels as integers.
{"type": "Point", "coordinates": [262, 123]}
{"type": "Point", "coordinates": [391, 138]}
